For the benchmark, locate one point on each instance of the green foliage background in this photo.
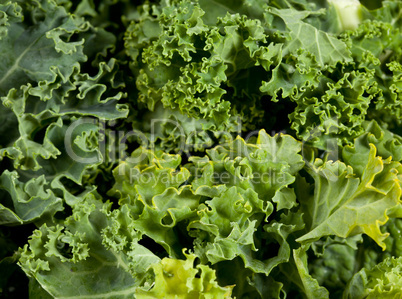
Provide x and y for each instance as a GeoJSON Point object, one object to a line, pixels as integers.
{"type": "Point", "coordinates": [273, 169]}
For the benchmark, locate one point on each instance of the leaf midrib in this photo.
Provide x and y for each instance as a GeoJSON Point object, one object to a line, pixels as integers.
{"type": "Point", "coordinates": [15, 66]}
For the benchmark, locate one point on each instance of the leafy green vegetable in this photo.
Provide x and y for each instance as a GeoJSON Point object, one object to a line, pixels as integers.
{"type": "Point", "coordinates": [178, 278]}
{"type": "Point", "coordinates": [382, 281]}
{"type": "Point", "coordinates": [200, 149]}
{"type": "Point", "coordinates": [344, 205]}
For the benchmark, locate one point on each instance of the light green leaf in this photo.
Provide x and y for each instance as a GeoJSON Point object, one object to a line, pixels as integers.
{"type": "Point", "coordinates": [327, 49]}
{"type": "Point", "coordinates": [344, 205]}
{"type": "Point", "coordinates": [311, 287]}
{"type": "Point", "coordinates": [382, 281]}
{"type": "Point", "coordinates": [177, 279]}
